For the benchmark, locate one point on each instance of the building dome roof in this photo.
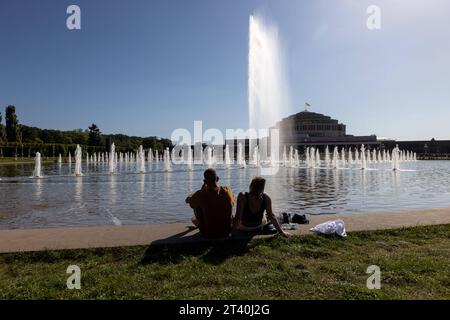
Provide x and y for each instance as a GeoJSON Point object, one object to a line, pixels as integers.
{"type": "Point", "coordinates": [309, 115]}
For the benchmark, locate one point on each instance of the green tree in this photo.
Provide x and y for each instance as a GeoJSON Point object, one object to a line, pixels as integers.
{"type": "Point", "coordinates": [29, 134]}
{"type": "Point", "coordinates": [2, 130]}
{"type": "Point", "coordinates": [12, 124]}
{"type": "Point", "coordinates": [95, 138]}
{"type": "Point", "coordinates": [149, 142]}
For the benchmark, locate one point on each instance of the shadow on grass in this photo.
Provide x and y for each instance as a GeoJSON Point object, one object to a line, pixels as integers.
{"type": "Point", "coordinates": [171, 250]}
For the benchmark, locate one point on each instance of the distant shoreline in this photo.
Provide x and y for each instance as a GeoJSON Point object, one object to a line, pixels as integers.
{"type": "Point", "coordinates": [10, 161]}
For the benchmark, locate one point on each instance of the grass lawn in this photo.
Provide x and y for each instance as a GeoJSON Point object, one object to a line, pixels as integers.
{"type": "Point", "coordinates": [414, 262]}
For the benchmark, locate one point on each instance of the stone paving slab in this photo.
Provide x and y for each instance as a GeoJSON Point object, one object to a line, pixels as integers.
{"type": "Point", "coordinates": [21, 240]}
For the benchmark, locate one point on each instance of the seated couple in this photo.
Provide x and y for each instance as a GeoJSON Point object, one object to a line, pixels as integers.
{"type": "Point", "coordinates": [213, 209]}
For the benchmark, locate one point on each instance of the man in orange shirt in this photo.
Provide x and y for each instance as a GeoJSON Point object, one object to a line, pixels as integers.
{"type": "Point", "coordinates": [213, 207]}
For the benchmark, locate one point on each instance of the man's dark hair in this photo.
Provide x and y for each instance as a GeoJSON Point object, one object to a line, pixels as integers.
{"type": "Point", "coordinates": [210, 176]}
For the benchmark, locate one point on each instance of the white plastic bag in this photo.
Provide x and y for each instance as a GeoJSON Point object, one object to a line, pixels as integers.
{"type": "Point", "coordinates": [331, 227]}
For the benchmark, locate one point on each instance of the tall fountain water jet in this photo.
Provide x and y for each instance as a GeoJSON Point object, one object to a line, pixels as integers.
{"type": "Point", "coordinates": [396, 158]}
{"type": "Point", "coordinates": [256, 157]}
{"type": "Point", "coordinates": [70, 159]}
{"type": "Point", "coordinates": [327, 156]}
{"type": "Point", "coordinates": [291, 156]}
{"type": "Point", "coordinates": [241, 156]}
{"type": "Point", "coordinates": [150, 155]}
{"type": "Point", "coordinates": [335, 158]}
{"type": "Point", "coordinates": [209, 156]}
{"type": "Point", "coordinates": [78, 161]}
{"type": "Point", "coordinates": [37, 165]}
{"type": "Point", "coordinates": [285, 161]}
{"type": "Point", "coordinates": [308, 158]}
{"type": "Point", "coordinates": [268, 96]}
{"type": "Point", "coordinates": [363, 158]}
{"type": "Point", "coordinates": [374, 155]}
{"type": "Point", "coordinates": [312, 157]}
{"type": "Point", "coordinates": [356, 156]}
{"type": "Point", "coordinates": [59, 159]}
{"type": "Point", "coordinates": [112, 164]}
{"type": "Point", "coordinates": [227, 156]}
{"type": "Point", "coordinates": [213, 156]}
{"type": "Point", "coordinates": [318, 162]}
{"type": "Point", "coordinates": [296, 158]}
{"type": "Point", "coordinates": [141, 161]}
{"type": "Point", "coordinates": [343, 157]}
{"type": "Point", "coordinates": [167, 164]}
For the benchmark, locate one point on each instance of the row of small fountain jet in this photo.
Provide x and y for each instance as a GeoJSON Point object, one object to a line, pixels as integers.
{"type": "Point", "coordinates": [343, 158]}
{"type": "Point", "coordinates": [312, 158]}
{"type": "Point", "coordinates": [111, 158]}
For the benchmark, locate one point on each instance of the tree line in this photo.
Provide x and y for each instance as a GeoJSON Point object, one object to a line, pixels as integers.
{"type": "Point", "coordinates": [18, 139]}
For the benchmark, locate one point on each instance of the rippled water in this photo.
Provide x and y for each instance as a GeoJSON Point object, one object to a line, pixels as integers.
{"type": "Point", "coordinates": [98, 198]}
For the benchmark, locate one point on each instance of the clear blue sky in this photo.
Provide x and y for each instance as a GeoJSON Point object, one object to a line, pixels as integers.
{"type": "Point", "coordinates": [146, 67]}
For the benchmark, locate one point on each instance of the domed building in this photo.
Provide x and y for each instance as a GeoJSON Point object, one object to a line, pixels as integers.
{"type": "Point", "coordinates": [314, 129]}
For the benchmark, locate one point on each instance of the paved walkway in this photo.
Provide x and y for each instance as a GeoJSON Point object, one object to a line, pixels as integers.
{"type": "Point", "coordinates": [115, 236]}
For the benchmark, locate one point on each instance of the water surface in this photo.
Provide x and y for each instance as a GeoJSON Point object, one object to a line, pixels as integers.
{"type": "Point", "coordinates": [98, 198]}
